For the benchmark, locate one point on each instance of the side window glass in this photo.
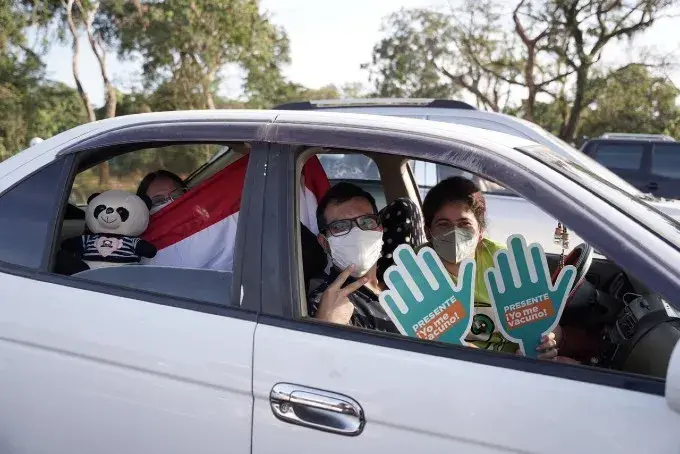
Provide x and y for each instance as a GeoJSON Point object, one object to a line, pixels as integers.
{"type": "Point", "coordinates": [620, 156]}
{"type": "Point", "coordinates": [27, 213]}
{"type": "Point", "coordinates": [187, 248]}
{"type": "Point", "coordinates": [666, 161]}
{"type": "Point", "coordinates": [355, 168]}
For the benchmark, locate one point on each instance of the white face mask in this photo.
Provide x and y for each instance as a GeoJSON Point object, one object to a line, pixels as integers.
{"type": "Point", "coordinates": [455, 245]}
{"type": "Point", "coordinates": [156, 208]}
{"type": "Point", "coordinates": [360, 248]}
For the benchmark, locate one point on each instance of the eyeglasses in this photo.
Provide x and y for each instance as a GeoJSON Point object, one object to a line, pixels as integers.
{"type": "Point", "coordinates": [343, 226]}
{"type": "Point", "coordinates": [173, 195]}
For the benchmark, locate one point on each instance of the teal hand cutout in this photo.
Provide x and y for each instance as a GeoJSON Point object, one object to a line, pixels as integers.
{"type": "Point", "coordinates": [423, 301]}
{"type": "Point", "coordinates": [527, 304]}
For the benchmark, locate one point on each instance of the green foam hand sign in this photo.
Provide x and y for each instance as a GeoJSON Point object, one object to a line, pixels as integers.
{"type": "Point", "coordinates": [423, 301]}
{"type": "Point", "coordinates": [527, 304]}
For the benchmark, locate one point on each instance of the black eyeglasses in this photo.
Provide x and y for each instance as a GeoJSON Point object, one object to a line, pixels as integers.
{"type": "Point", "coordinates": [343, 226]}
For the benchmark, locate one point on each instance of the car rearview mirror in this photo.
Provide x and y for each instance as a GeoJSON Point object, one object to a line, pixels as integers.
{"type": "Point", "coordinates": [673, 380]}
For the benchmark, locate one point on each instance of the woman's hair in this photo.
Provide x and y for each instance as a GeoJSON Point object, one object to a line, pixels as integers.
{"type": "Point", "coordinates": [455, 189]}
{"type": "Point", "coordinates": [147, 180]}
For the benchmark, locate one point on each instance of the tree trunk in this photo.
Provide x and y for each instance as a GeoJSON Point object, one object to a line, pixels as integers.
{"type": "Point", "coordinates": [110, 90]}
{"type": "Point", "coordinates": [568, 129]}
{"type": "Point", "coordinates": [76, 52]}
{"type": "Point", "coordinates": [207, 90]}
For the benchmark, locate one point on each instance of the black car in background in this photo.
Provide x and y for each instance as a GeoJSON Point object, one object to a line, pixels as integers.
{"type": "Point", "coordinates": [650, 162]}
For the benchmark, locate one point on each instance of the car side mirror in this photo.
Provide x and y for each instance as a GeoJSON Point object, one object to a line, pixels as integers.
{"type": "Point", "coordinates": [673, 380]}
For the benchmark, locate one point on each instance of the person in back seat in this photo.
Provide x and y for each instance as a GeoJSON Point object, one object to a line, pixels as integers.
{"type": "Point", "coordinates": [162, 187]}
{"type": "Point", "coordinates": [198, 228]}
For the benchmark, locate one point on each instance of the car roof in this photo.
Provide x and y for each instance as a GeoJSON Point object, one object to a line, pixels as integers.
{"type": "Point", "coordinates": [354, 103]}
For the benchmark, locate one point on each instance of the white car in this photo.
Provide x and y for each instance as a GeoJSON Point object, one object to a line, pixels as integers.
{"type": "Point", "coordinates": [145, 359]}
{"type": "Point", "coordinates": [507, 211]}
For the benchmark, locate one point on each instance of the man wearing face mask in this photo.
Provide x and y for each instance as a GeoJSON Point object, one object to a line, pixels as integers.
{"type": "Point", "coordinates": [350, 232]}
{"type": "Point", "coordinates": [454, 212]}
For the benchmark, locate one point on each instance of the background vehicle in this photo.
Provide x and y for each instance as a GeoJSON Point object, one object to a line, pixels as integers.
{"type": "Point", "coordinates": [506, 210]}
{"type": "Point", "coordinates": [649, 162]}
{"type": "Point", "coordinates": [235, 366]}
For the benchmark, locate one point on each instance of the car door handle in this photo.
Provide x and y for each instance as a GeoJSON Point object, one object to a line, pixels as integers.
{"type": "Point", "coordinates": [317, 409]}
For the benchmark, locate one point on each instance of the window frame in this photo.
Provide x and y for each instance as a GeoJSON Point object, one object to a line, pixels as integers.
{"type": "Point", "coordinates": [282, 297]}
{"type": "Point", "coordinates": [245, 291]}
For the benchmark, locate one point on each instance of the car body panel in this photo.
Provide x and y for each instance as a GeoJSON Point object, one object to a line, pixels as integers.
{"type": "Point", "coordinates": [88, 372]}
{"type": "Point", "coordinates": [414, 402]}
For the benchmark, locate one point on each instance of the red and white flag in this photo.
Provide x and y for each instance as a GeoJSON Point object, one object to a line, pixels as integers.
{"type": "Point", "coordinates": [198, 230]}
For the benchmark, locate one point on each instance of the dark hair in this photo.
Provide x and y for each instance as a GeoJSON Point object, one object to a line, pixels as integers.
{"type": "Point", "coordinates": [455, 189]}
{"type": "Point", "coordinates": [150, 178]}
{"type": "Point", "coordinates": [341, 193]}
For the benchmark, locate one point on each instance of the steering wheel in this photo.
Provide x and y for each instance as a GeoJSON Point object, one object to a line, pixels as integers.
{"type": "Point", "coordinates": [581, 257]}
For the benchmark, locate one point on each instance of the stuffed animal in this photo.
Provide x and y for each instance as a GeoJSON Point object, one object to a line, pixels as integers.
{"type": "Point", "coordinates": [115, 220]}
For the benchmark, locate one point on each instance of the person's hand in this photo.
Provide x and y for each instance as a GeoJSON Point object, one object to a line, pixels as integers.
{"type": "Point", "coordinates": [528, 304]}
{"type": "Point", "coordinates": [548, 347]}
{"type": "Point", "coordinates": [335, 306]}
{"type": "Point", "coordinates": [438, 310]}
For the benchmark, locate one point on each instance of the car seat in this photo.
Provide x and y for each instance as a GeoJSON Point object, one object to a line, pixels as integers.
{"type": "Point", "coordinates": [402, 223]}
{"type": "Point", "coordinates": [314, 258]}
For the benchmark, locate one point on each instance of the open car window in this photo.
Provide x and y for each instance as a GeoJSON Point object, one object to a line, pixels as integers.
{"type": "Point", "coordinates": [127, 170]}
{"type": "Point", "coordinates": [602, 307]}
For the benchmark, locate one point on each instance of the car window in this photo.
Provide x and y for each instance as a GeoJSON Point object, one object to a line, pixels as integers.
{"type": "Point", "coordinates": [126, 171]}
{"type": "Point", "coordinates": [666, 160]}
{"type": "Point", "coordinates": [620, 156]}
{"type": "Point", "coordinates": [27, 215]}
{"type": "Point", "coordinates": [597, 326]}
{"type": "Point", "coordinates": [354, 168]}
{"type": "Point", "coordinates": [428, 174]}
{"type": "Point", "coordinates": [187, 250]}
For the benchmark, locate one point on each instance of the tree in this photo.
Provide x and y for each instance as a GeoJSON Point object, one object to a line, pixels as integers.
{"type": "Point", "coordinates": [631, 99]}
{"type": "Point", "coordinates": [404, 63]}
{"type": "Point", "coordinates": [549, 46]}
{"type": "Point", "coordinates": [185, 44]}
{"type": "Point", "coordinates": [582, 30]}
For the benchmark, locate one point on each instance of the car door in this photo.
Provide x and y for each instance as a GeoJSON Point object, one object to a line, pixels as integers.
{"type": "Point", "coordinates": [335, 389]}
{"type": "Point", "coordinates": [627, 159]}
{"type": "Point", "coordinates": [95, 366]}
{"type": "Point", "coordinates": [665, 173]}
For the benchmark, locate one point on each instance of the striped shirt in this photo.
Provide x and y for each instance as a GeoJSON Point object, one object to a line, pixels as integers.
{"type": "Point", "coordinates": [110, 248]}
{"type": "Point", "coordinates": [368, 313]}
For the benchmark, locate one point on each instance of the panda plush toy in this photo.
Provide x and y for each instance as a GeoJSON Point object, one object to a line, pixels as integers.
{"type": "Point", "coordinates": [115, 220]}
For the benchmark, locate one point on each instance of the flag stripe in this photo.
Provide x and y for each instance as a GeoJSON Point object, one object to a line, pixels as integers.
{"type": "Point", "coordinates": [199, 229]}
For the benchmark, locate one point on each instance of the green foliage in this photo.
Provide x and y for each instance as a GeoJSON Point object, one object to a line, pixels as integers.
{"type": "Point", "coordinates": [632, 99]}
{"type": "Point", "coordinates": [404, 62]}
{"type": "Point", "coordinates": [32, 107]}
{"type": "Point", "coordinates": [186, 44]}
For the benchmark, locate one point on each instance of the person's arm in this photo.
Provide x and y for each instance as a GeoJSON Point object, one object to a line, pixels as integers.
{"type": "Point", "coordinates": [145, 249]}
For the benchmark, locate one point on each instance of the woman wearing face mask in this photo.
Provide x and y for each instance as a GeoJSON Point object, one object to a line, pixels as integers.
{"type": "Point", "coordinates": [454, 212]}
{"type": "Point", "coordinates": [163, 188]}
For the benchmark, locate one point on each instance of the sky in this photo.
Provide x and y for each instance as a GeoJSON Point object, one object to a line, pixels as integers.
{"type": "Point", "coordinates": [329, 41]}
